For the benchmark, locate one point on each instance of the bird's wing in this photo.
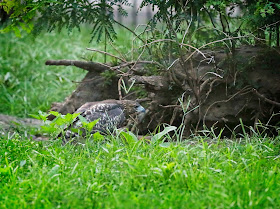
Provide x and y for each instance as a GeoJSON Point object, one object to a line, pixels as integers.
{"type": "Point", "coordinates": [110, 115]}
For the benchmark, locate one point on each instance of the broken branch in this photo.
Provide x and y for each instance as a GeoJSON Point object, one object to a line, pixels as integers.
{"type": "Point", "coordinates": [265, 99]}
{"type": "Point", "coordinates": [89, 66]}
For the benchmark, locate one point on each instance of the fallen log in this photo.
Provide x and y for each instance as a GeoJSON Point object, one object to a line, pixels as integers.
{"type": "Point", "coordinates": [214, 87]}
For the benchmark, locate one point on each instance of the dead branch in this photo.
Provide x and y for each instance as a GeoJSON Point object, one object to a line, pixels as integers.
{"type": "Point", "coordinates": [203, 85]}
{"type": "Point", "coordinates": [119, 88]}
{"type": "Point", "coordinates": [211, 87]}
{"type": "Point", "coordinates": [170, 106]}
{"type": "Point", "coordinates": [174, 115]}
{"type": "Point", "coordinates": [143, 100]}
{"type": "Point", "coordinates": [174, 78]}
{"type": "Point", "coordinates": [89, 66]}
{"type": "Point", "coordinates": [265, 99]}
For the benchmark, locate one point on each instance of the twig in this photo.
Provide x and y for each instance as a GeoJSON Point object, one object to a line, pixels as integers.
{"type": "Point", "coordinates": [242, 108]}
{"type": "Point", "coordinates": [138, 58]}
{"type": "Point", "coordinates": [203, 85]}
{"type": "Point", "coordinates": [130, 31]}
{"type": "Point", "coordinates": [265, 99]}
{"type": "Point", "coordinates": [112, 45]}
{"type": "Point", "coordinates": [213, 73]}
{"type": "Point", "coordinates": [224, 101]}
{"type": "Point", "coordinates": [266, 26]}
{"type": "Point", "coordinates": [96, 50]}
{"type": "Point", "coordinates": [211, 19]}
{"type": "Point", "coordinates": [174, 78]}
{"type": "Point", "coordinates": [213, 42]}
{"type": "Point", "coordinates": [211, 87]}
{"type": "Point", "coordinates": [135, 62]}
{"type": "Point", "coordinates": [169, 106]}
{"type": "Point", "coordinates": [143, 100]}
{"type": "Point", "coordinates": [152, 119]}
{"type": "Point", "coordinates": [119, 88]}
{"type": "Point", "coordinates": [181, 44]}
{"type": "Point", "coordinates": [173, 63]}
{"type": "Point", "coordinates": [187, 30]}
{"type": "Point", "coordinates": [222, 23]}
{"type": "Point", "coordinates": [175, 111]}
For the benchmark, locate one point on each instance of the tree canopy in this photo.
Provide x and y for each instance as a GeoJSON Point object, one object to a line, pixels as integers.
{"type": "Point", "coordinates": [260, 18]}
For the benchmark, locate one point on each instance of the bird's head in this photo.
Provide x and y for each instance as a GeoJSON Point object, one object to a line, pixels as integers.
{"type": "Point", "coordinates": [134, 109]}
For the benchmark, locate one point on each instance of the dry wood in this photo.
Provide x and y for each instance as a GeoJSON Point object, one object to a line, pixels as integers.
{"type": "Point", "coordinates": [265, 99]}
{"type": "Point", "coordinates": [197, 75]}
{"type": "Point", "coordinates": [89, 66]}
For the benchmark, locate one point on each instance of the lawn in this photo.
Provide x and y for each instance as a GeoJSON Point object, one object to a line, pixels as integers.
{"type": "Point", "coordinates": [116, 172]}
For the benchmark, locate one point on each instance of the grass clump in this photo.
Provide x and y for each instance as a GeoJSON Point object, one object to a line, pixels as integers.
{"type": "Point", "coordinates": [117, 174]}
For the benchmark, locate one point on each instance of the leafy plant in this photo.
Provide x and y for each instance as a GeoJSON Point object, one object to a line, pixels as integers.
{"type": "Point", "coordinates": [160, 136]}
{"type": "Point", "coordinates": [61, 123]}
{"type": "Point", "coordinates": [86, 125]}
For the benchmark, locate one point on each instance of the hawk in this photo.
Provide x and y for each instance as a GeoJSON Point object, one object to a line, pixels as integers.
{"type": "Point", "coordinates": [111, 114]}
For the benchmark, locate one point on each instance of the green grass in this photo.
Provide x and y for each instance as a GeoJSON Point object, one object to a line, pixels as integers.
{"type": "Point", "coordinates": [28, 85]}
{"type": "Point", "coordinates": [114, 174]}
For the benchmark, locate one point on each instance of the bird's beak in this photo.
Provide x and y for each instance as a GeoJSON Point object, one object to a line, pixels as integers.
{"type": "Point", "coordinates": [141, 109]}
{"type": "Point", "coordinates": [141, 113]}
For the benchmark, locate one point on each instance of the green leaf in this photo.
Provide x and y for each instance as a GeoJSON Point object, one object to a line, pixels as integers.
{"type": "Point", "coordinates": [92, 124]}
{"type": "Point", "coordinates": [129, 136]}
{"type": "Point", "coordinates": [49, 129]}
{"type": "Point", "coordinates": [74, 115]}
{"type": "Point", "coordinates": [82, 119]}
{"type": "Point", "coordinates": [69, 118]}
{"type": "Point", "coordinates": [5, 171]}
{"type": "Point", "coordinates": [57, 114]}
{"type": "Point", "coordinates": [17, 32]}
{"type": "Point", "coordinates": [75, 130]}
{"type": "Point", "coordinates": [60, 121]}
{"type": "Point", "coordinates": [35, 116]}
{"type": "Point", "coordinates": [43, 116]}
{"type": "Point", "coordinates": [159, 135]}
{"type": "Point", "coordinates": [98, 136]}
{"type": "Point", "coordinates": [105, 149]}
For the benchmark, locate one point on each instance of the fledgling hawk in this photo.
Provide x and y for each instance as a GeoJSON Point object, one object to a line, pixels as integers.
{"type": "Point", "coordinates": [111, 114]}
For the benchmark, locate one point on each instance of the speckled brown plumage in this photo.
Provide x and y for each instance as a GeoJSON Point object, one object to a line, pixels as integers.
{"type": "Point", "coordinates": [111, 114]}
